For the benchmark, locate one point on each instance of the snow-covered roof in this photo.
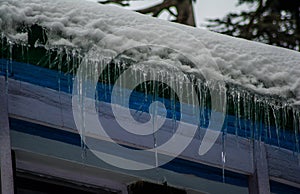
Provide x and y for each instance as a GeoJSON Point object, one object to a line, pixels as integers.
{"type": "Point", "coordinates": [85, 25]}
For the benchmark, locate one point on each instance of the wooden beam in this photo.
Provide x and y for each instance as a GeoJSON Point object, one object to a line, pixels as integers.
{"type": "Point", "coordinates": [259, 180]}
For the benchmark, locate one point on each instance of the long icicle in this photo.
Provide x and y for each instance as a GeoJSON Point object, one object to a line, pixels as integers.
{"type": "Point", "coordinates": [223, 153]}
{"type": "Point", "coordinates": [296, 124]}
{"type": "Point", "coordinates": [277, 123]}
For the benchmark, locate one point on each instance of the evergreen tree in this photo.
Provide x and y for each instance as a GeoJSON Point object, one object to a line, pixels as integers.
{"type": "Point", "coordinates": [275, 22]}
{"type": "Point", "coordinates": [183, 13]}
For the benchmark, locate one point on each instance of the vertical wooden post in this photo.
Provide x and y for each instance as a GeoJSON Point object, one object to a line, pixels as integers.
{"type": "Point", "coordinates": [7, 182]}
{"type": "Point", "coordinates": [259, 180]}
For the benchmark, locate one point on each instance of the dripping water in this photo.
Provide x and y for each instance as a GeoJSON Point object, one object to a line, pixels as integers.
{"type": "Point", "coordinates": [154, 116]}
{"type": "Point", "coordinates": [82, 94]}
{"type": "Point", "coordinates": [223, 153]}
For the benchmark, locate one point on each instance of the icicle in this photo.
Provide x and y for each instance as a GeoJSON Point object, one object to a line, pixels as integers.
{"type": "Point", "coordinates": [173, 102]}
{"type": "Point", "coordinates": [235, 95]}
{"type": "Point", "coordinates": [284, 119]}
{"type": "Point", "coordinates": [223, 155]}
{"type": "Point", "coordinates": [59, 67]}
{"type": "Point", "coordinates": [108, 76]}
{"type": "Point", "coordinates": [124, 90]}
{"type": "Point", "coordinates": [245, 95]}
{"type": "Point", "coordinates": [22, 51]}
{"type": "Point", "coordinates": [68, 73]}
{"type": "Point", "coordinates": [277, 123]}
{"type": "Point", "coordinates": [198, 82]}
{"type": "Point", "coordinates": [239, 110]}
{"type": "Point", "coordinates": [96, 77]}
{"type": "Point", "coordinates": [2, 49]}
{"type": "Point", "coordinates": [27, 54]}
{"type": "Point", "coordinates": [205, 111]}
{"type": "Point", "coordinates": [74, 67]}
{"type": "Point", "coordinates": [259, 127]}
{"type": "Point", "coordinates": [140, 79]}
{"type": "Point", "coordinates": [235, 106]}
{"type": "Point", "coordinates": [82, 94]}
{"type": "Point", "coordinates": [10, 59]}
{"type": "Point", "coordinates": [192, 93]}
{"type": "Point", "coordinates": [9, 66]}
{"type": "Point", "coordinates": [60, 64]}
{"type": "Point", "coordinates": [296, 127]}
{"type": "Point", "coordinates": [250, 116]}
{"type": "Point", "coordinates": [154, 115]}
{"type": "Point", "coordinates": [185, 81]}
{"type": "Point", "coordinates": [265, 119]}
{"type": "Point", "coordinates": [260, 121]}
{"type": "Point", "coordinates": [120, 68]}
{"type": "Point", "coordinates": [105, 83]}
{"type": "Point", "coordinates": [255, 134]}
{"type": "Point", "coordinates": [145, 86]}
{"type": "Point", "coordinates": [163, 86]}
{"type": "Point", "coordinates": [179, 81]}
{"type": "Point", "coordinates": [115, 78]}
{"type": "Point", "coordinates": [269, 121]}
{"type": "Point", "coordinates": [161, 81]}
{"type": "Point", "coordinates": [135, 73]}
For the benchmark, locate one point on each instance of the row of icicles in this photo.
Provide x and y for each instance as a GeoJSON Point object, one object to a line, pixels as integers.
{"type": "Point", "coordinates": [249, 115]}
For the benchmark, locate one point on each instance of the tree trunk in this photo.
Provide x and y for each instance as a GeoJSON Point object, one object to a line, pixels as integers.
{"type": "Point", "coordinates": [185, 12]}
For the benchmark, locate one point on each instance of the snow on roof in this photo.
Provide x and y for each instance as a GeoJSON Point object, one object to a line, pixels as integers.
{"type": "Point", "coordinates": [85, 25]}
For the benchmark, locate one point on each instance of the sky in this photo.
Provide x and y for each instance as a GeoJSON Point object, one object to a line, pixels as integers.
{"type": "Point", "coordinates": [203, 8]}
{"type": "Point", "coordinates": [215, 9]}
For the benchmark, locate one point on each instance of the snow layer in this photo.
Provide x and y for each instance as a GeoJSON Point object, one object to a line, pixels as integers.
{"type": "Point", "coordinates": [111, 30]}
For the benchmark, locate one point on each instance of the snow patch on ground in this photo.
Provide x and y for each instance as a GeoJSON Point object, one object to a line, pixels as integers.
{"type": "Point", "coordinates": [86, 25]}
